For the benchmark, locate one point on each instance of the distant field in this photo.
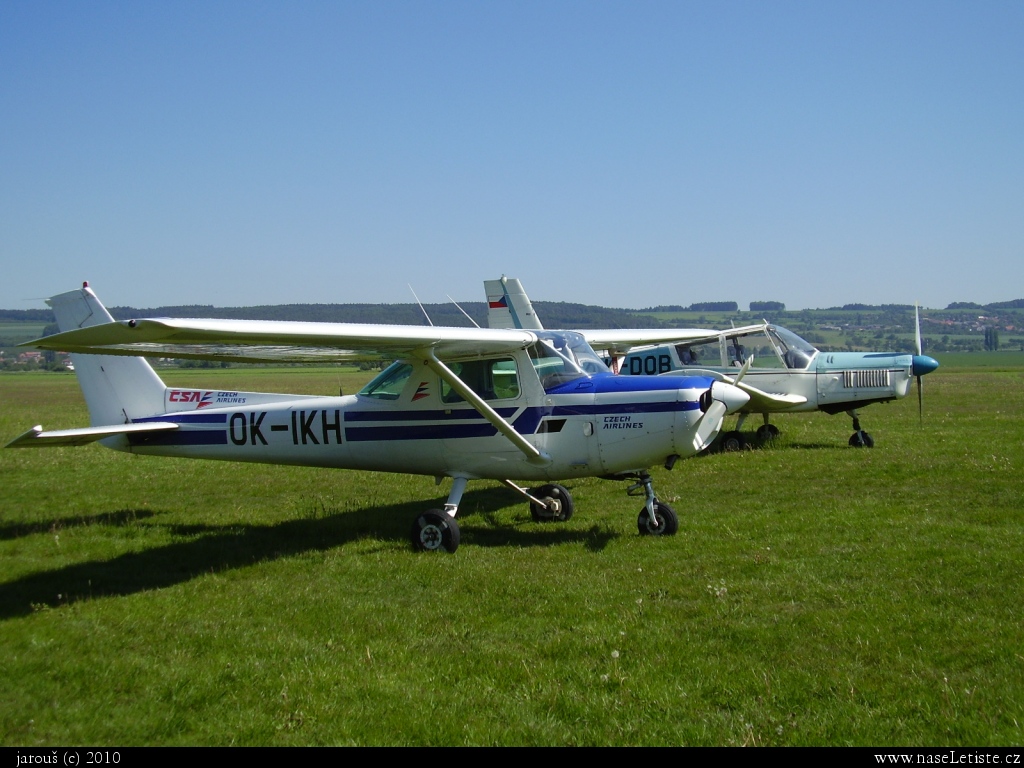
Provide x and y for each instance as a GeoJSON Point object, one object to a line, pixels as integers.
{"type": "Point", "coordinates": [1009, 360]}
{"type": "Point", "coordinates": [15, 333]}
{"type": "Point", "coordinates": [815, 594]}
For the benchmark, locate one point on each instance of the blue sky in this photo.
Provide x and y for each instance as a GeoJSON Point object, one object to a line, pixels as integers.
{"type": "Point", "coordinates": [623, 154]}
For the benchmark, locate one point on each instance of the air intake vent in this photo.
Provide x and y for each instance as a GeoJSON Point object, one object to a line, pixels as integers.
{"type": "Point", "coordinates": [865, 379]}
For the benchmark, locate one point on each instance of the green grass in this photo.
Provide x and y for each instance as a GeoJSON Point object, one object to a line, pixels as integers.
{"type": "Point", "coordinates": [815, 594]}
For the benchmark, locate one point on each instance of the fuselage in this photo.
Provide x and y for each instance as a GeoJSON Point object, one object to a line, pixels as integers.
{"type": "Point", "coordinates": [785, 364]}
{"type": "Point", "coordinates": [409, 421]}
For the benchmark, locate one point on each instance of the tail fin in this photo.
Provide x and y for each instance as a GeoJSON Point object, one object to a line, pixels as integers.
{"type": "Point", "coordinates": [508, 306]}
{"type": "Point", "coordinates": [116, 389]}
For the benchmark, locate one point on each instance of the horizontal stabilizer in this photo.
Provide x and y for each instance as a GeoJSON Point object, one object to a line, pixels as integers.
{"type": "Point", "coordinates": [36, 437]}
{"type": "Point", "coordinates": [758, 397]}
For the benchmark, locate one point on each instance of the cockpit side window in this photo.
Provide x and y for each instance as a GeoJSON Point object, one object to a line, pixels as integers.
{"type": "Point", "coordinates": [795, 351]}
{"type": "Point", "coordinates": [389, 383]}
{"type": "Point", "coordinates": [698, 354]}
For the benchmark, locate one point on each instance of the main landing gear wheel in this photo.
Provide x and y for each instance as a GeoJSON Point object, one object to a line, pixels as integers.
{"type": "Point", "coordinates": [861, 439]}
{"type": "Point", "coordinates": [562, 507]}
{"type": "Point", "coordinates": [766, 433]}
{"type": "Point", "coordinates": [733, 441]}
{"type": "Point", "coordinates": [665, 522]}
{"type": "Point", "coordinates": [434, 530]}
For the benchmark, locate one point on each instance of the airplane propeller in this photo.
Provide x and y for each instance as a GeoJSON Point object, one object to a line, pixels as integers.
{"type": "Point", "coordinates": [716, 406]}
{"type": "Point", "coordinates": [922, 364]}
{"type": "Point", "coordinates": [920, 381]}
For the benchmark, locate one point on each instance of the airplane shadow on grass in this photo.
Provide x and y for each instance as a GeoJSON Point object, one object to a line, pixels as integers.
{"type": "Point", "coordinates": [122, 517]}
{"type": "Point", "coordinates": [219, 548]}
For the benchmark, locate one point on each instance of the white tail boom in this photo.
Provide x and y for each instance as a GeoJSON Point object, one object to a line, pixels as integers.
{"type": "Point", "coordinates": [117, 390]}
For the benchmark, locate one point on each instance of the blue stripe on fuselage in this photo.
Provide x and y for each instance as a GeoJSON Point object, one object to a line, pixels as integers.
{"type": "Point", "coordinates": [187, 418]}
{"type": "Point", "coordinates": [526, 424]}
{"type": "Point", "coordinates": [419, 432]}
{"type": "Point", "coordinates": [608, 383]}
{"type": "Point", "coordinates": [181, 437]}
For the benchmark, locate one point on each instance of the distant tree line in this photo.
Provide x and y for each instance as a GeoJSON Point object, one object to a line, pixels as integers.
{"type": "Point", "coordinates": [767, 306]}
{"type": "Point", "coordinates": [872, 307]}
{"type": "Point", "coordinates": [703, 306]}
{"type": "Point", "coordinates": [26, 315]}
{"type": "Point", "coordinates": [554, 314]}
{"type": "Point", "coordinates": [1015, 304]}
{"type": "Point", "coordinates": [715, 306]}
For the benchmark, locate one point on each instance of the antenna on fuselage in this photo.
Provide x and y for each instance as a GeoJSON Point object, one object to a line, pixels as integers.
{"type": "Point", "coordinates": [429, 321]}
{"type": "Point", "coordinates": [453, 301]}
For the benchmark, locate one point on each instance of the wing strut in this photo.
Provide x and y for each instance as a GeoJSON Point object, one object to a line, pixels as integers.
{"type": "Point", "coordinates": [448, 375]}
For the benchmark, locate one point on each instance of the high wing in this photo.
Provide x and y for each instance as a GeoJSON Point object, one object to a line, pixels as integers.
{"type": "Point", "coordinates": [281, 341]}
{"type": "Point", "coordinates": [620, 341]}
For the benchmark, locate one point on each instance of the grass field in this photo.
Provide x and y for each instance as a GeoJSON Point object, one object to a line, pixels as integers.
{"type": "Point", "coordinates": [815, 594]}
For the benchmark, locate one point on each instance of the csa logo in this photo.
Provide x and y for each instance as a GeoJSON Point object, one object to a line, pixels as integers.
{"type": "Point", "coordinates": [199, 398]}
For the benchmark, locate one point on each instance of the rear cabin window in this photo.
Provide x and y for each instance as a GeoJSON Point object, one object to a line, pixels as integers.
{"type": "Point", "coordinates": [491, 379]}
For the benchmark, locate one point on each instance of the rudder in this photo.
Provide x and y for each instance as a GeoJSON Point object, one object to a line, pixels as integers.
{"type": "Point", "coordinates": [508, 306]}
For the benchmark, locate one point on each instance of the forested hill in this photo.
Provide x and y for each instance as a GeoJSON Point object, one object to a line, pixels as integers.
{"type": "Point", "coordinates": [552, 313]}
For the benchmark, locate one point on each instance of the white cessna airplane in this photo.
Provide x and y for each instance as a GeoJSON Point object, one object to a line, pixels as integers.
{"type": "Point", "coordinates": [465, 403]}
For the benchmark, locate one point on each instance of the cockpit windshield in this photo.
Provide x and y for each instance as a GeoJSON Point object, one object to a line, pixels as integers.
{"type": "Point", "coordinates": [766, 346]}
{"type": "Point", "coordinates": [574, 346]}
{"type": "Point", "coordinates": [563, 356]}
{"type": "Point", "coordinates": [795, 352]}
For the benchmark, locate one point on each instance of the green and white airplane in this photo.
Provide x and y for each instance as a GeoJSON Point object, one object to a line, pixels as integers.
{"type": "Point", "coordinates": [783, 372]}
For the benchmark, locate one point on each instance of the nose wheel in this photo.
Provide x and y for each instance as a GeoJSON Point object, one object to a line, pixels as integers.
{"type": "Point", "coordinates": [656, 517]}
{"type": "Point", "coordinates": [732, 441]}
{"type": "Point", "coordinates": [859, 438]}
{"type": "Point", "coordinates": [663, 522]}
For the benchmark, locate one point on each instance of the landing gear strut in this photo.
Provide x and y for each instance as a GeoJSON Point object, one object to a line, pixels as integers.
{"type": "Point", "coordinates": [436, 528]}
{"type": "Point", "coordinates": [859, 438]}
{"type": "Point", "coordinates": [656, 518]}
